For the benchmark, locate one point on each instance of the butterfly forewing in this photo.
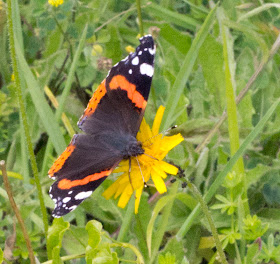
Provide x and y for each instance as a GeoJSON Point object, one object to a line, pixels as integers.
{"type": "Point", "coordinates": [110, 122]}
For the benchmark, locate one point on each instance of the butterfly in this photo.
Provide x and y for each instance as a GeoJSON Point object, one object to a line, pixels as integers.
{"type": "Point", "coordinates": [109, 124]}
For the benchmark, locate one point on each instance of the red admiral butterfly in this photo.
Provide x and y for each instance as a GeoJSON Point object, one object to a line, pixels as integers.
{"type": "Point", "coordinates": [110, 124]}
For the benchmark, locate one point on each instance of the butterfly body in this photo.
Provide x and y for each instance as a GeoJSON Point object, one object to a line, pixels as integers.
{"type": "Point", "coordinates": [110, 124]}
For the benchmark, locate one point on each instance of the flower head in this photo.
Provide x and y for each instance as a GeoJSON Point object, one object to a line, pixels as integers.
{"type": "Point", "coordinates": [55, 3]}
{"type": "Point", "coordinates": [129, 49]}
{"type": "Point", "coordinates": [145, 166]}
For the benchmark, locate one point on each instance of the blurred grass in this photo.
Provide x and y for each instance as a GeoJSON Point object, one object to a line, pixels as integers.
{"type": "Point", "coordinates": [204, 60]}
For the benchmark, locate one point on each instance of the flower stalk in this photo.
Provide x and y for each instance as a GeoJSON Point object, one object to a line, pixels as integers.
{"type": "Point", "coordinates": [208, 216]}
{"type": "Point", "coordinates": [17, 213]}
{"type": "Point", "coordinates": [24, 115]}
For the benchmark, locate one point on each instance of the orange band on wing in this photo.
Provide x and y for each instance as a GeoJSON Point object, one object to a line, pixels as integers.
{"type": "Point", "coordinates": [120, 81]}
{"type": "Point", "coordinates": [61, 160]}
{"type": "Point", "coordinates": [95, 99]}
{"type": "Point", "coordinates": [68, 184]}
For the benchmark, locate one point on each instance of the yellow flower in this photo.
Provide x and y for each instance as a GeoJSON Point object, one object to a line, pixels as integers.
{"type": "Point", "coordinates": [96, 50]}
{"type": "Point", "coordinates": [55, 3]}
{"type": "Point", "coordinates": [146, 166]}
{"type": "Point", "coordinates": [129, 49]}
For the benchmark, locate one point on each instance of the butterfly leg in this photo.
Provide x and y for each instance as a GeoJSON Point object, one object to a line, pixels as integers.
{"type": "Point", "coordinates": [129, 172]}
{"type": "Point", "coordinates": [145, 184]}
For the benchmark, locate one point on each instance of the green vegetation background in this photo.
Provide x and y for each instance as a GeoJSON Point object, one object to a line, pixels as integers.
{"type": "Point", "coordinates": [208, 55]}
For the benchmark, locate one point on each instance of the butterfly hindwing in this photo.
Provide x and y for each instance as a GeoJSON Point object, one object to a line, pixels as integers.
{"type": "Point", "coordinates": [110, 122]}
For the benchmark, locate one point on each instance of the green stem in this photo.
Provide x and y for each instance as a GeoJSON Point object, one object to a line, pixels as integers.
{"type": "Point", "coordinates": [24, 115]}
{"type": "Point", "coordinates": [206, 212]}
{"type": "Point", "coordinates": [163, 222]}
{"type": "Point", "coordinates": [221, 176]}
{"type": "Point", "coordinates": [126, 223]}
{"type": "Point", "coordinates": [66, 258]}
{"type": "Point", "coordinates": [17, 213]}
{"type": "Point", "coordinates": [139, 257]}
{"type": "Point", "coordinates": [141, 28]}
{"type": "Point", "coordinates": [233, 129]}
{"type": "Point", "coordinates": [65, 35]}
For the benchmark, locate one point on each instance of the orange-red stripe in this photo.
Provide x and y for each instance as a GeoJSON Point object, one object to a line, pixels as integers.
{"type": "Point", "coordinates": [95, 99]}
{"type": "Point", "coordinates": [61, 160]}
{"type": "Point", "coordinates": [68, 184]}
{"type": "Point", "coordinates": [121, 82]}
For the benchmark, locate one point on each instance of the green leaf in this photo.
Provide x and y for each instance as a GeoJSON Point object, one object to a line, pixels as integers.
{"type": "Point", "coordinates": [213, 71]}
{"type": "Point", "coordinates": [174, 37]}
{"type": "Point", "coordinates": [54, 239]}
{"type": "Point", "coordinates": [253, 252]}
{"type": "Point", "coordinates": [17, 24]}
{"type": "Point", "coordinates": [173, 17]}
{"type": "Point", "coordinates": [172, 251]}
{"type": "Point", "coordinates": [220, 178]}
{"type": "Point", "coordinates": [42, 107]}
{"type": "Point", "coordinates": [159, 206]}
{"type": "Point", "coordinates": [113, 46]}
{"type": "Point", "coordinates": [94, 229]}
{"type": "Point", "coordinates": [1, 255]}
{"type": "Point", "coordinates": [71, 74]}
{"type": "Point", "coordinates": [54, 41]}
{"type": "Point", "coordinates": [253, 175]}
{"type": "Point", "coordinates": [183, 75]}
{"type": "Point", "coordinates": [167, 258]}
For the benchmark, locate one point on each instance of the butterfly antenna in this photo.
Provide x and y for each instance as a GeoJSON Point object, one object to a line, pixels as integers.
{"type": "Point", "coordinates": [162, 133]}
{"type": "Point", "coordinates": [145, 184]}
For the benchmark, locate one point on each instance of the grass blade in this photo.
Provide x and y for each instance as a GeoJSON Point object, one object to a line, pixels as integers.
{"type": "Point", "coordinates": [173, 17]}
{"type": "Point", "coordinates": [43, 109]}
{"type": "Point", "coordinates": [70, 77]}
{"type": "Point", "coordinates": [183, 75]}
{"type": "Point", "coordinates": [64, 96]}
{"type": "Point", "coordinates": [220, 178]}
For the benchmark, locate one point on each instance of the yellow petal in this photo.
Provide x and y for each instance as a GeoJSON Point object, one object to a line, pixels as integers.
{"type": "Point", "coordinates": [145, 132]}
{"type": "Point", "coordinates": [157, 120]}
{"type": "Point", "coordinates": [159, 171]}
{"type": "Point", "coordinates": [123, 179]}
{"type": "Point", "coordinates": [110, 191]}
{"type": "Point", "coordinates": [125, 196]}
{"type": "Point", "coordinates": [122, 167]}
{"type": "Point", "coordinates": [138, 194]}
{"type": "Point", "coordinates": [120, 190]}
{"type": "Point", "coordinates": [159, 183]}
{"type": "Point", "coordinates": [168, 143]}
{"type": "Point", "coordinates": [171, 169]}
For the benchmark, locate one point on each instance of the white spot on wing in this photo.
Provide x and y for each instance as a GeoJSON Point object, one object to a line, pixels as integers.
{"type": "Point", "coordinates": [140, 52]}
{"type": "Point", "coordinates": [72, 207]}
{"type": "Point", "coordinates": [70, 192]}
{"type": "Point", "coordinates": [146, 69]}
{"type": "Point", "coordinates": [66, 199]}
{"type": "Point", "coordinates": [152, 51]}
{"type": "Point", "coordinates": [56, 216]}
{"type": "Point", "coordinates": [83, 195]}
{"type": "Point", "coordinates": [135, 61]}
{"type": "Point", "coordinates": [125, 58]}
{"type": "Point", "coordinates": [130, 71]}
